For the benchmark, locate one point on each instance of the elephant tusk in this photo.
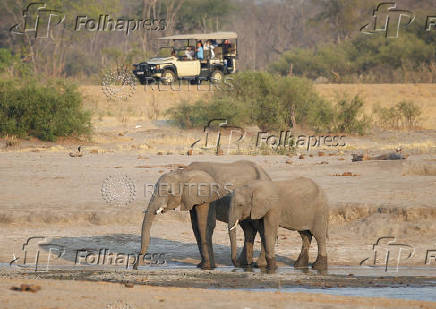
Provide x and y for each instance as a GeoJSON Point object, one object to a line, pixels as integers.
{"type": "Point", "coordinates": [234, 226]}
{"type": "Point", "coordinates": [159, 211]}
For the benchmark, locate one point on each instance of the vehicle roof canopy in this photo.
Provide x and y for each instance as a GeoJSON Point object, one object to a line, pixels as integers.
{"type": "Point", "coordinates": [203, 36]}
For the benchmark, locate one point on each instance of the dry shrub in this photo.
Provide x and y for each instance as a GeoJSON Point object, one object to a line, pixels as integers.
{"type": "Point", "coordinates": [11, 141]}
{"type": "Point", "coordinates": [427, 168]}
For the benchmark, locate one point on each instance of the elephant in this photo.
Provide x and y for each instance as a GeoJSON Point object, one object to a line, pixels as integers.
{"type": "Point", "coordinates": [204, 208]}
{"type": "Point", "coordinates": [297, 204]}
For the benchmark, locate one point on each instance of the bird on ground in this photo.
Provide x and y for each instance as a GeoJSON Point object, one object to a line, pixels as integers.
{"type": "Point", "coordinates": [77, 154]}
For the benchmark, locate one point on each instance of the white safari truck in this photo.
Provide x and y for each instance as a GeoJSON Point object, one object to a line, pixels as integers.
{"type": "Point", "coordinates": [219, 58]}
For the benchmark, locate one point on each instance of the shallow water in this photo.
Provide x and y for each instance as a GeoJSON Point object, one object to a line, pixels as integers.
{"type": "Point", "coordinates": [357, 271]}
{"type": "Point", "coordinates": [424, 293]}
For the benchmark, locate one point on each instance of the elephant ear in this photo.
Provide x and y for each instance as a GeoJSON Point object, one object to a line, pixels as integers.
{"type": "Point", "coordinates": [198, 188]}
{"type": "Point", "coordinates": [262, 201]}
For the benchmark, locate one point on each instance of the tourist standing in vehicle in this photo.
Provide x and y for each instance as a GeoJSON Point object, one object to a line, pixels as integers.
{"type": "Point", "coordinates": [189, 54]}
{"type": "Point", "coordinates": [199, 51]}
{"type": "Point", "coordinates": [208, 46]}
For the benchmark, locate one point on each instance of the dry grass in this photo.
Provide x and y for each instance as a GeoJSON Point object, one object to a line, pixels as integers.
{"type": "Point", "coordinates": [152, 104]}
{"type": "Point", "coordinates": [426, 168]}
{"type": "Point", "coordinates": [388, 95]}
{"type": "Point", "coordinates": [11, 141]}
{"type": "Point", "coordinates": [145, 102]}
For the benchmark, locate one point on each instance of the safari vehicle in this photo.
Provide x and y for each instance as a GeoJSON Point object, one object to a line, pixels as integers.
{"type": "Point", "coordinates": [180, 66]}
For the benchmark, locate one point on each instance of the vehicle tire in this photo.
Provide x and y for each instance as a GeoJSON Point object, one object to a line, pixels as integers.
{"type": "Point", "coordinates": [217, 77]}
{"type": "Point", "coordinates": [168, 77]}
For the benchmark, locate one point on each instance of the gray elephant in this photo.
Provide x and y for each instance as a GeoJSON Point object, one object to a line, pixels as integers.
{"type": "Point", "coordinates": [298, 204]}
{"type": "Point", "coordinates": [213, 203]}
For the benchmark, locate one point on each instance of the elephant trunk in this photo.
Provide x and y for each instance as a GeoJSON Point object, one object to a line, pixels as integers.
{"type": "Point", "coordinates": [145, 234]}
{"type": "Point", "coordinates": [232, 236]}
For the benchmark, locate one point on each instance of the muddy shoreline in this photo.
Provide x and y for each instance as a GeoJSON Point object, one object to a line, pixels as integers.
{"type": "Point", "coordinates": [232, 279]}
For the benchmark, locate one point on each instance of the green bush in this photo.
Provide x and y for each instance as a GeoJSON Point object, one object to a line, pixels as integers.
{"type": "Point", "coordinates": [404, 114]}
{"type": "Point", "coordinates": [350, 117]}
{"type": "Point", "coordinates": [46, 112]}
{"type": "Point", "coordinates": [273, 103]}
{"type": "Point", "coordinates": [11, 64]}
{"type": "Point", "coordinates": [201, 112]}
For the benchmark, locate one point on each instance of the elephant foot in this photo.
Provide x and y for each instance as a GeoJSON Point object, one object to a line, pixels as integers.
{"type": "Point", "coordinates": [320, 263]}
{"type": "Point", "coordinates": [206, 265]}
{"type": "Point", "coordinates": [242, 264]}
{"type": "Point", "coordinates": [260, 263]}
{"type": "Point", "coordinates": [302, 261]}
{"type": "Point", "coordinates": [271, 266]}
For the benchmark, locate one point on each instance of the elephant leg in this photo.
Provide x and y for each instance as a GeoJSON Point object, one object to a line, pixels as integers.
{"type": "Point", "coordinates": [246, 256]}
{"type": "Point", "coordinates": [261, 260]}
{"type": "Point", "coordinates": [202, 212]}
{"type": "Point", "coordinates": [268, 233]}
{"type": "Point", "coordinates": [211, 224]}
{"type": "Point", "coordinates": [194, 223]}
{"type": "Point", "coordinates": [321, 260]}
{"type": "Point", "coordinates": [303, 258]}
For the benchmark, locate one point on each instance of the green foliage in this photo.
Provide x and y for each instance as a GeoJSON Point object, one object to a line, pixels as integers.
{"type": "Point", "coordinates": [46, 112]}
{"type": "Point", "coordinates": [340, 16]}
{"type": "Point", "coordinates": [6, 59]}
{"type": "Point", "coordinates": [404, 114]}
{"type": "Point", "coordinates": [202, 14]}
{"type": "Point", "coordinates": [410, 113]}
{"type": "Point", "coordinates": [200, 113]}
{"type": "Point", "coordinates": [362, 59]}
{"type": "Point", "coordinates": [272, 103]}
{"type": "Point", "coordinates": [79, 64]}
{"type": "Point", "coordinates": [350, 117]}
{"type": "Point", "coordinates": [11, 64]}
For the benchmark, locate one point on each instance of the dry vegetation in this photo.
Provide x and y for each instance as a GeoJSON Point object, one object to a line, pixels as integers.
{"type": "Point", "coordinates": [388, 95]}
{"type": "Point", "coordinates": [146, 102]}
